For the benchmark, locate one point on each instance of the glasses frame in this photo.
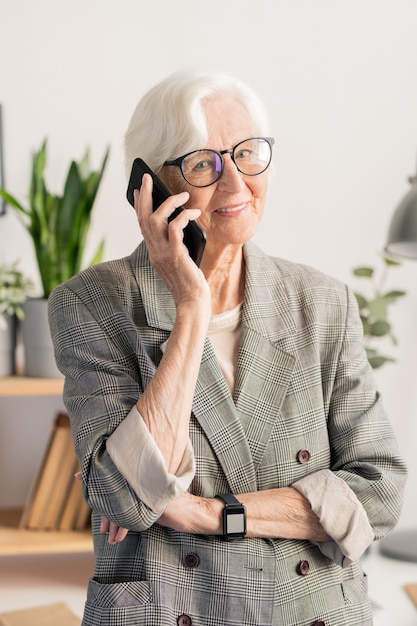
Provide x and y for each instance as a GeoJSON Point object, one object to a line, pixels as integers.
{"type": "Point", "coordinates": [178, 162]}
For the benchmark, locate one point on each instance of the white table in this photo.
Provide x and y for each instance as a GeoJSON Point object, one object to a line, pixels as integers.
{"type": "Point", "coordinates": [386, 579]}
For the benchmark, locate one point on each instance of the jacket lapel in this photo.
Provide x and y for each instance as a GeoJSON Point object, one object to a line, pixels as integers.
{"type": "Point", "coordinates": [217, 415]}
{"type": "Point", "coordinates": [237, 428]}
{"type": "Point", "coordinates": [264, 369]}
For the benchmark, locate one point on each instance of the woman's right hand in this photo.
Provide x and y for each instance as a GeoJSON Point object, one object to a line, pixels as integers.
{"type": "Point", "coordinates": [116, 533]}
{"type": "Point", "coordinates": [166, 248]}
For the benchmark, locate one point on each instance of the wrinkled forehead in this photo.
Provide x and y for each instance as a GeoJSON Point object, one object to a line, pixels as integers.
{"type": "Point", "coordinates": [228, 123]}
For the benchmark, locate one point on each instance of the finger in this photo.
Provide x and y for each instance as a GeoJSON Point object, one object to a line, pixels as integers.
{"type": "Point", "coordinates": [177, 225]}
{"type": "Point", "coordinates": [143, 197]}
{"type": "Point", "coordinates": [104, 525]}
{"type": "Point", "coordinates": [113, 528]}
{"type": "Point", "coordinates": [144, 200]}
{"type": "Point", "coordinates": [121, 534]}
{"type": "Point", "coordinates": [185, 217]}
{"type": "Point", "coordinates": [116, 533]}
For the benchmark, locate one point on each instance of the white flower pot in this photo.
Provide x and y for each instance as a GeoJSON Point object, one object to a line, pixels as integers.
{"type": "Point", "coordinates": [8, 347]}
{"type": "Point", "coordinates": [37, 342]}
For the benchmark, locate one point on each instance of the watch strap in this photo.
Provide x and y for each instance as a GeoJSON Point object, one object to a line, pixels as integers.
{"type": "Point", "coordinates": [229, 499]}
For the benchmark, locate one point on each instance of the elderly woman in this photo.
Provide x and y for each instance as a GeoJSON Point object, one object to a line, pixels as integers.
{"type": "Point", "coordinates": [226, 414]}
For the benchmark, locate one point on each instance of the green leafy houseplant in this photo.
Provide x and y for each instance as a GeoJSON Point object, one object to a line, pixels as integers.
{"type": "Point", "coordinates": [59, 225]}
{"type": "Point", "coordinates": [14, 290]}
{"type": "Point", "coordinates": [374, 311]}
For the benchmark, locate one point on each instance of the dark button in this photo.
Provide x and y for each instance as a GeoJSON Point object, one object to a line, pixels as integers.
{"type": "Point", "coordinates": [184, 620]}
{"type": "Point", "coordinates": [303, 568]}
{"type": "Point", "coordinates": [303, 456]}
{"type": "Point", "coordinates": [191, 560]}
{"type": "Point", "coordinates": [319, 622]}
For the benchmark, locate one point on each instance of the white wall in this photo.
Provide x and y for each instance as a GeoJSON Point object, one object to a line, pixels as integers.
{"type": "Point", "coordinates": [339, 81]}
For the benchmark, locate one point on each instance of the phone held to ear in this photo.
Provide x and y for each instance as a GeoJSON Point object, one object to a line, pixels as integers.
{"type": "Point", "coordinates": [194, 236]}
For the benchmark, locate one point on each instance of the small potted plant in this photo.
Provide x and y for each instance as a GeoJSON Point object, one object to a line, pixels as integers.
{"type": "Point", "coordinates": [374, 311]}
{"type": "Point", "coordinates": [14, 290]}
{"type": "Point", "coordinates": [58, 226]}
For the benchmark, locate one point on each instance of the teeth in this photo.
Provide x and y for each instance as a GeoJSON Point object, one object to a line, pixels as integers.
{"type": "Point", "coordinates": [233, 210]}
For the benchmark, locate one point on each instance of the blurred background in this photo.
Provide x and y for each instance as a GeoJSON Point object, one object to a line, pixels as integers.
{"type": "Point", "coordinates": [339, 82]}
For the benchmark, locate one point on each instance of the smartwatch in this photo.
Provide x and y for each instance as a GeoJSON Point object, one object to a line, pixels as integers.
{"type": "Point", "coordinates": [234, 517]}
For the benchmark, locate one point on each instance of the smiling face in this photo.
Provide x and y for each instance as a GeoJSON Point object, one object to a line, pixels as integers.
{"type": "Point", "coordinates": [232, 207]}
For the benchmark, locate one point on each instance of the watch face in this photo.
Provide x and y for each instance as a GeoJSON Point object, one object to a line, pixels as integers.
{"type": "Point", "coordinates": [235, 522]}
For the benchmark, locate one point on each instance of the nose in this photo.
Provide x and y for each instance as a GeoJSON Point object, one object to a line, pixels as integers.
{"type": "Point", "coordinates": [231, 179]}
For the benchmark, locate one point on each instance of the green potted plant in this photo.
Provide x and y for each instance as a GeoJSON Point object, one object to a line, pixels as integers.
{"type": "Point", "coordinates": [58, 226]}
{"type": "Point", "coordinates": [14, 290]}
{"type": "Point", "coordinates": [374, 310]}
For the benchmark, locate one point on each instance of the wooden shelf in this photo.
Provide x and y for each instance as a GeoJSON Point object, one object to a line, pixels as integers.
{"type": "Point", "coordinates": [26, 386]}
{"type": "Point", "coordinates": [16, 541]}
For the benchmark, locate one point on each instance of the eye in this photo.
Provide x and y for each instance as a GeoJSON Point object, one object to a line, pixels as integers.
{"type": "Point", "coordinates": [243, 153]}
{"type": "Point", "coordinates": [202, 165]}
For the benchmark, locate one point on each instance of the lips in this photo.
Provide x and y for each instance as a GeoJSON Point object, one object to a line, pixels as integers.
{"type": "Point", "coordinates": [233, 210]}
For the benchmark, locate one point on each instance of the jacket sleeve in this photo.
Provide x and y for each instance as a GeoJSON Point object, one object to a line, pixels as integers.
{"type": "Point", "coordinates": [106, 367]}
{"type": "Point", "coordinates": [364, 449]}
{"type": "Point", "coordinates": [136, 455]}
{"type": "Point", "coordinates": [341, 515]}
{"type": "Point", "coordinates": [358, 499]}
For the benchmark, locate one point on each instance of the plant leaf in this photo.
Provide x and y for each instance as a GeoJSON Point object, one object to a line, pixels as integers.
{"type": "Point", "coordinates": [392, 296]}
{"type": "Point", "coordinates": [379, 328]}
{"type": "Point", "coordinates": [378, 308]}
{"type": "Point", "coordinates": [363, 272]}
{"type": "Point", "coordinates": [378, 361]}
{"type": "Point", "coordinates": [59, 225]}
{"type": "Point", "coordinates": [13, 202]}
{"type": "Point", "coordinates": [391, 262]}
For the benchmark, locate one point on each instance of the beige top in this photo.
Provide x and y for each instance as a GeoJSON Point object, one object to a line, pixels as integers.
{"type": "Point", "coordinates": [224, 332]}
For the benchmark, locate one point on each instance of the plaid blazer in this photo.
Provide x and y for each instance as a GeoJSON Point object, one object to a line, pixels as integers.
{"type": "Point", "coordinates": [302, 383]}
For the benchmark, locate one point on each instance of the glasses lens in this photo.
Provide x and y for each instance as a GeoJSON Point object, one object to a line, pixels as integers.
{"type": "Point", "coordinates": [202, 167]}
{"type": "Point", "coordinates": [252, 156]}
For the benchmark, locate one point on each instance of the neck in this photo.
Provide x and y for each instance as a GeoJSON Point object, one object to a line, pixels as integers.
{"type": "Point", "coordinates": [226, 278]}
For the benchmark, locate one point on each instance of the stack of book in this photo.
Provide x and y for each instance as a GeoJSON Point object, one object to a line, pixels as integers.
{"type": "Point", "coordinates": [55, 500]}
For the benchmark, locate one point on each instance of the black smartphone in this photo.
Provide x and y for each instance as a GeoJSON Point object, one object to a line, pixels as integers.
{"type": "Point", "coordinates": [194, 236]}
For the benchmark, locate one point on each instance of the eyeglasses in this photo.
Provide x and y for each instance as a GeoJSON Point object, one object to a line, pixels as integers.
{"type": "Point", "coordinates": [202, 168]}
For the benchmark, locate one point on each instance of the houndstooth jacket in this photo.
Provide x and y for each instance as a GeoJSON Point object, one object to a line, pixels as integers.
{"type": "Point", "coordinates": [302, 383]}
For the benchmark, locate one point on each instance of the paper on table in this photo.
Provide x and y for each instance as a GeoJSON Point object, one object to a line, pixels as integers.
{"type": "Point", "coordinates": [411, 589]}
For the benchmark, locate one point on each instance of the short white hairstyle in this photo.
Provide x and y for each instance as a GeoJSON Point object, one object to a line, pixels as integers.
{"type": "Point", "coordinates": [169, 120]}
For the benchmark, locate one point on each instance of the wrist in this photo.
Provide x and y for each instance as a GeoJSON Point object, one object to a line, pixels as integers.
{"type": "Point", "coordinates": [197, 310]}
{"type": "Point", "coordinates": [215, 516]}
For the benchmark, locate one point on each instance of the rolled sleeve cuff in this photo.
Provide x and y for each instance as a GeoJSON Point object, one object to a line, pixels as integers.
{"type": "Point", "coordinates": [341, 515]}
{"type": "Point", "coordinates": [137, 456]}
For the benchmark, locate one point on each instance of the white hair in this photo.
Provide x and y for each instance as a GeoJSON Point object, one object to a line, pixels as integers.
{"type": "Point", "coordinates": [169, 120]}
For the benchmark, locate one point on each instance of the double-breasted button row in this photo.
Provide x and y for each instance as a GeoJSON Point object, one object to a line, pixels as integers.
{"type": "Point", "coordinates": [185, 620]}
{"type": "Point", "coordinates": [303, 456]}
{"type": "Point", "coordinates": [190, 560]}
